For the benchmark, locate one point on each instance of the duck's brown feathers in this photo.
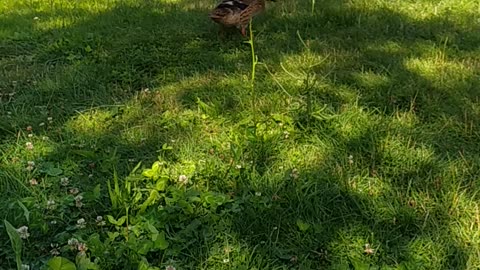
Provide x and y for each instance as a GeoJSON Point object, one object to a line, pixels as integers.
{"type": "Point", "coordinates": [237, 13]}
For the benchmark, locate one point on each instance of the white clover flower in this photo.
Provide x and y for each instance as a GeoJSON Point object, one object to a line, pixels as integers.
{"type": "Point", "coordinates": [100, 221]}
{"type": "Point", "coordinates": [23, 232]}
{"type": "Point", "coordinates": [64, 181]}
{"type": "Point", "coordinates": [183, 180]}
{"type": "Point", "coordinates": [294, 174]}
{"type": "Point", "coordinates": [54, 251]}
{"type": "Point", "coordinates": [78, 201]}
{"type": "Point", "coordinates": [74, 191]}
{"type": "Point", "coordinates": [79, 204]}
{"type": "Point", "coordinates": [81, 223]}
{"type": "Point", "coordinates": [82, 248]}
{"type": "Point", "coordinates": [29, 146]}
{"type": "Point", "coordinates": [72, 242]}
{"type": "Point", "coordinates": [30, 165]}
{"type": "Point", "coordinates": [51, 204]}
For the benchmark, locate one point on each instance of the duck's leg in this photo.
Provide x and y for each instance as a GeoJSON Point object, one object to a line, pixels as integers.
{"type": "Point", "coordinates": [243, 30]}
{"type": "Point", "coordinates": [221, 31]}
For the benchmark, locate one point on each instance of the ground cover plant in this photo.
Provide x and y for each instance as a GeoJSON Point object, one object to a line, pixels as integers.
{"type": "Point", "coordinates": [133, 136]}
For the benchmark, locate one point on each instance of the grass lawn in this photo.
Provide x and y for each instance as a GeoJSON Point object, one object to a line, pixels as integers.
{"type": "Point", "coordinates": [132, 137]}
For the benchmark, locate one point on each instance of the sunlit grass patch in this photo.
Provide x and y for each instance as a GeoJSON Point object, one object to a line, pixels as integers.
{"type": "Point", "coordinates": [442, 73]}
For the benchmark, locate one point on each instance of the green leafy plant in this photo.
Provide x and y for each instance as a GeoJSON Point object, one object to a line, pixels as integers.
{"type": "Point", "coordinates": [16, 243]}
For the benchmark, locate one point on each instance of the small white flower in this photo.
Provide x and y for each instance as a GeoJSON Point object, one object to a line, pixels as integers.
{"type": "Point", "coordinates": [350, 159]}
{"type": "Point", "coordinates": [258, 194]}
{"type": "Point", "coordinates": [30, 165]}
{"type": "Point", "coordinates": [33, 182]}
{"type": "Point", "coordinates": [182, 179]}
{"type": "Point", "coordinates": [30, 135]}
{"type": "Point", "coordinates": [64, 181]}
{"type": "Point", "coordinates": [25, 267]}
{"type": "Point", "coordinates": [238, 167]}
{"type": "Point", "coordinates": [81, 223]}
{"type": "Point", "coordinates": [72, 242]}
{"type": "Point", "coordinates": [23, 231]}
{"type": "Point", "coordinates": [286, 134]}
{"type": "Point", "coordinates": [53, 222]}
{"type": "Point", "coordinates": [294, 174]}
{"type": "Point", "coordinates": [226, 260]}
{"type": "Point", "coordinates": [78, 201]}
{"type": "Point", "coordinates": [100, 221]}
{"type": "Point", "coordinates": [45, 138]}
{"type": "Point", "coordinates": [50, 119]}
{"type": "Point", "coordinates": [90, 175]}
{"type": "Point", "coordinates": [368, 250]}
{"type": "Point", "coordinates": [54, 251]}
{"type": "Point", "coordinates": [41, 124]}
{"type": "Point", "coordinates": [29, 146]}
{"type": "Point", "coordinates": [51, 204]}
{"type": "Point", "coordinates": [36, 18]}
{"type": "Point", "coordinates": [170, 267]}
{"type": "Point", "coordinates": [74, 191]}
{"type": "Point", "coordinates": [82, 248]}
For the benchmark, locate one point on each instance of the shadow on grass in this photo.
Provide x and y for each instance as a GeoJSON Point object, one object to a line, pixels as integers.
{"type": "Point", "coordinates": [110, 58]}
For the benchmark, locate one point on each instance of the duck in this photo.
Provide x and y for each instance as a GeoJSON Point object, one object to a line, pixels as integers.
{"type": "Point", "coordinates": [237, 13]}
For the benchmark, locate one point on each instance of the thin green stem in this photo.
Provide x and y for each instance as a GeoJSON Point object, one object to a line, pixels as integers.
{"type": "Point", "coordinates": [252, 79]}
{"type": "Point", "coordinates": [252, 87]}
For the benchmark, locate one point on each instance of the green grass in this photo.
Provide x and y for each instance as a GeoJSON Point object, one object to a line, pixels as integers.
{"type": "Point", "coordinates": [363, 128]}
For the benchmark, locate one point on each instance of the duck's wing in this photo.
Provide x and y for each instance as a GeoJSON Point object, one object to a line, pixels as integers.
{"type": "Point", "coordinates": [228, 11]}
